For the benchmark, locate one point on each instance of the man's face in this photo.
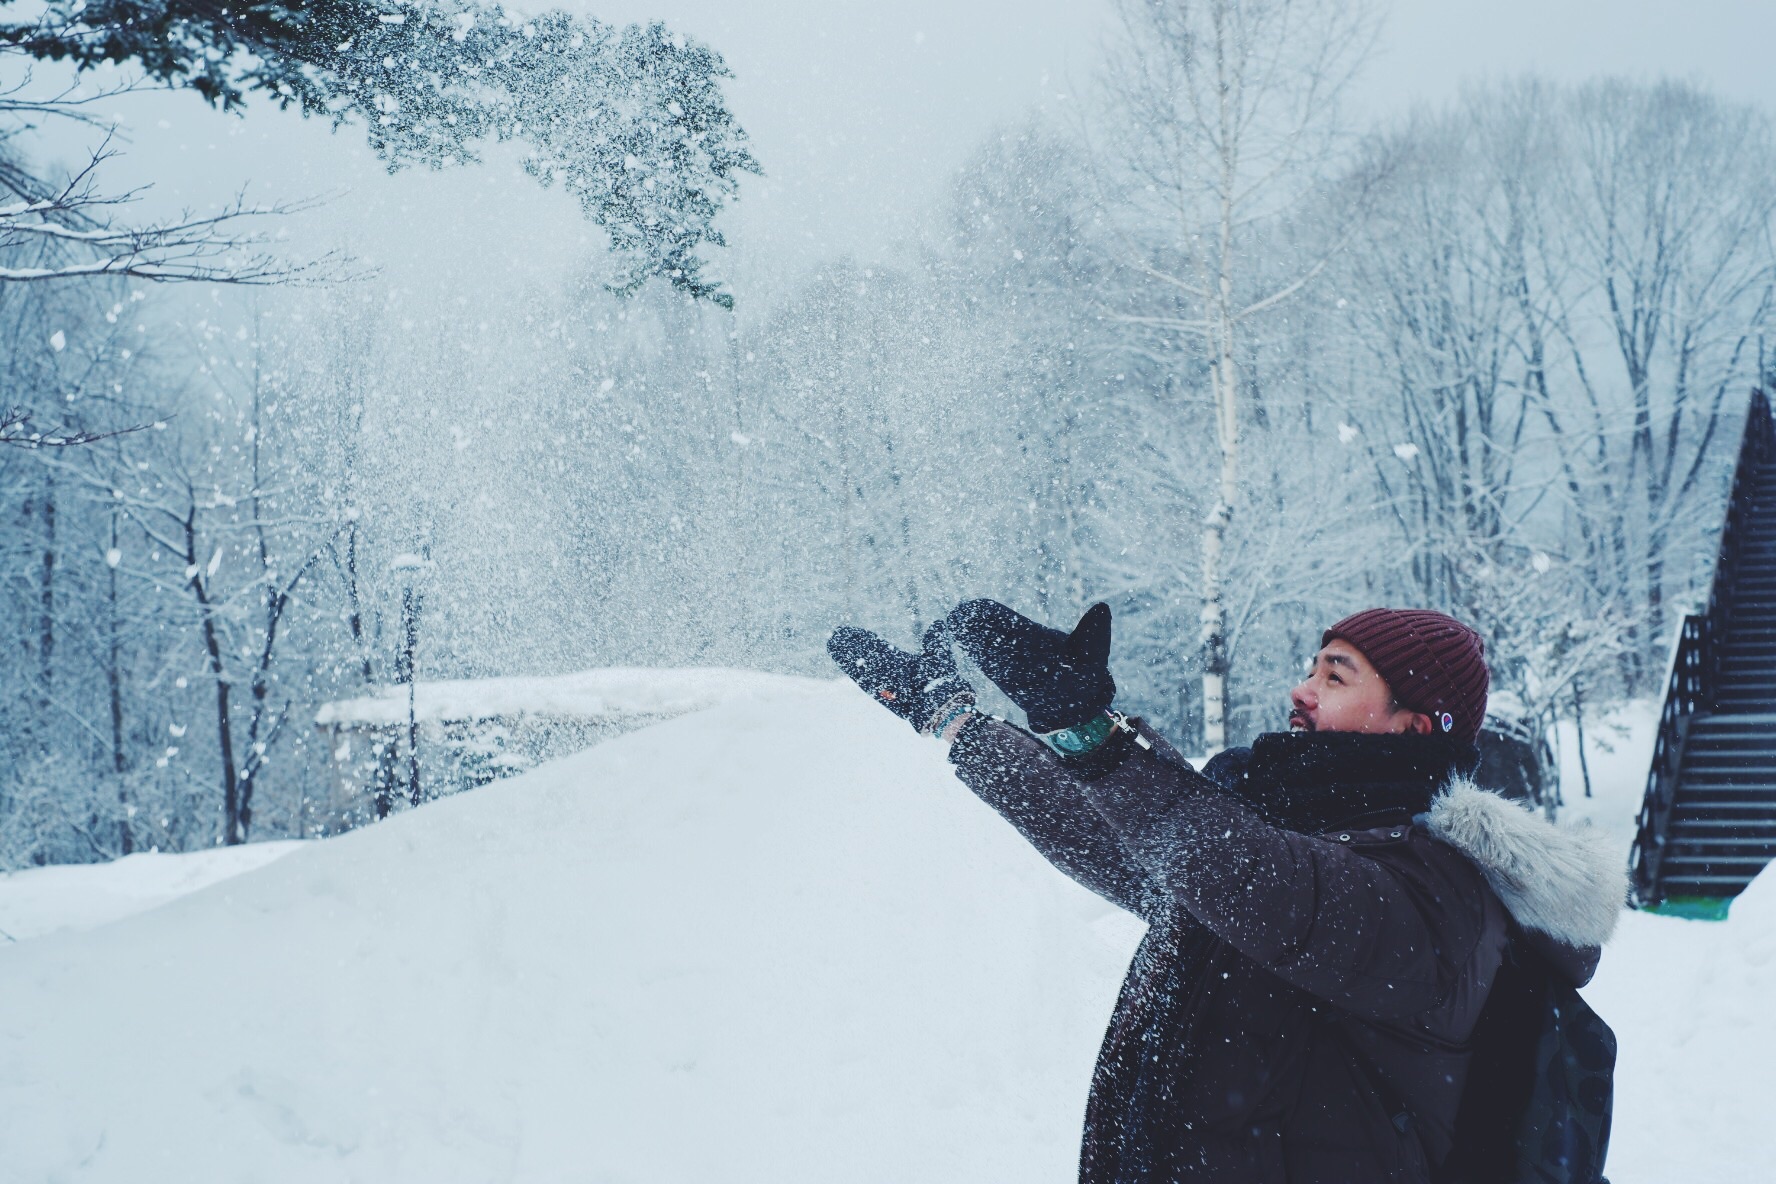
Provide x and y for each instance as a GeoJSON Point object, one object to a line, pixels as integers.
{"type": "Point", "coordinates": [1343, 693]}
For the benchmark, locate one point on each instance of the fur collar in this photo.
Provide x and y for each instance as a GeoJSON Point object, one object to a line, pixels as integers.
{"type": "Point", "coordinates": [1565, 882]}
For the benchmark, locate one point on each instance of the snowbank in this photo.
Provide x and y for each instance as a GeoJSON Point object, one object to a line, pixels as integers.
{"type": "Point", "coordinates": [79, 896]}
{"type": "Point", "coordinates": [1691, 1005]}
{"type": "Point", "coordinates": [772, 941]}
{"type": "Point", "coordinates": [612, 693]}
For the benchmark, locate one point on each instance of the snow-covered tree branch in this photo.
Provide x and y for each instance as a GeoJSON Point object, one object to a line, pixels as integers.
{"type": "Point", "coordinates": [71, 231]}
{"type": "Point", "coordinates": [631, 121]}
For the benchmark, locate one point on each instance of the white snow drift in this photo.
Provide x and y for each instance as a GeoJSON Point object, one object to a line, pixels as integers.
{"type": "Point", "coordinates": [79, 896]}
{"type": "Point", "coordinates": [612, 693]}
{"type": "Point", "coordinates": [774, 941]}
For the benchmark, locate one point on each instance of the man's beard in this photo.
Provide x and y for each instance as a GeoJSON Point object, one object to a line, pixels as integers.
{"type": "Point", "coordinates": [1306, 722]}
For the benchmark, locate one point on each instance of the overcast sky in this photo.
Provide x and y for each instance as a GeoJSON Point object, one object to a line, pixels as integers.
{"type": "Point", "coordinates": [860, 111]}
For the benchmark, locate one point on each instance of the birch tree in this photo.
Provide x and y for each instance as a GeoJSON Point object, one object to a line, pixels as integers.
{"type": "Point", "coordinates": [1224, 115]}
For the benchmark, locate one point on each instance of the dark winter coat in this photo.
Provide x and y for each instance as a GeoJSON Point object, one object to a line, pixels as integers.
{"type": "Point", "coordinates": [1322, 932]}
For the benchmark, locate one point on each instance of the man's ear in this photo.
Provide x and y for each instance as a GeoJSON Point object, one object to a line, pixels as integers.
{"type": "Point", "coordinates": [1418, 724]}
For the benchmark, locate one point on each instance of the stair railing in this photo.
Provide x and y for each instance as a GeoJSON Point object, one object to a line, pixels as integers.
{"type": "Point", "coordinates": [1695, 660]}
{"type": "Point", "coordinates": [1757, 447]}
{"type": "Point", "coordinates": [1686, 691]}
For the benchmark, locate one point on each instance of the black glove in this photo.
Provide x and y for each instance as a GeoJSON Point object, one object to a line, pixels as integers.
{"type": "Point", "coordinates": [912, 686]}
{"type": "Point", "coordinates": [1061, 680]}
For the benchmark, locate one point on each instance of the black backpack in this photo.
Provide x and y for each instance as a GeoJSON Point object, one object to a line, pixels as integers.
{"type": "Point", "coordinates": [1536, 1107]}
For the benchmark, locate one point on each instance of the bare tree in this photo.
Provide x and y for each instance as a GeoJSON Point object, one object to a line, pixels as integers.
{"type": "Point", "coordinates": [1561, 288]}
{"type": "Point", "coordinates": [73, 223]}
{"type": "Point", "coordinates": [80, 650]}
{"type": "Point", "coordinates": [18, 429]}
{"type": "Point", "coordinates": [1545, 308]}
{"type": "Point", "coordinates": [240, 531]}
{"type": "Point", "coordinates": [1670, 215]}
{"type": "Point", "coordinates": [1226, 114]}
{"type": "Point", "coordinates": [70, 228]}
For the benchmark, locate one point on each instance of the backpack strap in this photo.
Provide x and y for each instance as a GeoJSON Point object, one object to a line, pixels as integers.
{"type": "Point", "coordinates": [1501, 1070]}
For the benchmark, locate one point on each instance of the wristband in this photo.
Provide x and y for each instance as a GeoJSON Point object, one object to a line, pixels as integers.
{"type": "Point", "coordinates": [1084, 737]}
{"type": "Point", "coordinates": [952, 730]}
{"type": "Point", "coordinates": [947, 717]}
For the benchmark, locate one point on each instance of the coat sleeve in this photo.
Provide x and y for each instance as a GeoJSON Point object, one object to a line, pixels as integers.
{"type": "Point", "coordinates": [1382, 938]}
{"type": "Point", "coordinates": [1018, 776]}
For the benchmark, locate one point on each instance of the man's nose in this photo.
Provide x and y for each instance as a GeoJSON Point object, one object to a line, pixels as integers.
{"type": "Point", "coordinates": [1303, 697]}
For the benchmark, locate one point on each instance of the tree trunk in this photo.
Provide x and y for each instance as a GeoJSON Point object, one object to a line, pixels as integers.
{"type": "Point", "coordinates": [114, 688]}
{"type": "Point", "coordinates": [1216, 666]}
{"type": "Point", "coordinates": [1655, 596]}
{"type": "Point", "coordinates": [1225, 383]}
{"type": "Point", "coordinates": [387, 761]}
{"type": "Point", "coordinates": [354, 598]}
{"type": "Point", "coordinates": [46, 598]}
{"type": "Point", "coordinates": [1579, 726]}
{"type": "Point", "coordinates": [382, 793]}
{"type": "Point", "coordinates": [234, 828]}
{"type": "Point", "coordinates": [236, 831]}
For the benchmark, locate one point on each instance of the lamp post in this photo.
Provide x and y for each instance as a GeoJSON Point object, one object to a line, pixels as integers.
{"type": "Point", "coordinates": [411, 570]}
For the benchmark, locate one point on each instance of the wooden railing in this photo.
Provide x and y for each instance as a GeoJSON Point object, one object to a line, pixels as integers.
{"type": "Point", "coordinates": [1695, 663]}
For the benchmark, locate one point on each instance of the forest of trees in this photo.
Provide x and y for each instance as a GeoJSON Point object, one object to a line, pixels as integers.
{"type": "Point", "coordinates": [1491, 358]}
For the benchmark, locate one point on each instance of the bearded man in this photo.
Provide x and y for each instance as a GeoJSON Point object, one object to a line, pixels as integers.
{"type": "Point", "coordinates": [1327, 910]}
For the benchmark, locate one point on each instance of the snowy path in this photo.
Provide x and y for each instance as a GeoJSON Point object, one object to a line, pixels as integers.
{"type": "Point", "coordinates": [772, 941]}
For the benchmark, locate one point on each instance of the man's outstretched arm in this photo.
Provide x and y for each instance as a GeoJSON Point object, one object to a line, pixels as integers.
{"type": "Point", "coordinates": [1019, 776]}
{"type": "Point", "coordinates": [1333, 921]}
{"type": "Point", "coordinates": [1374, 938]}
{"type": "Point", "coordinates": [1009, 769]}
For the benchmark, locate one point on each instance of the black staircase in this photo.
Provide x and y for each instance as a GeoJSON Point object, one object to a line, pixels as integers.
{"type": "Point", "coordinates": [1708, 823]}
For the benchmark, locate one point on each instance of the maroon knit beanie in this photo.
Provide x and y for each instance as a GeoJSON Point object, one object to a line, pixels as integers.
{"type": "Point", "coordinates": [1432, 663]}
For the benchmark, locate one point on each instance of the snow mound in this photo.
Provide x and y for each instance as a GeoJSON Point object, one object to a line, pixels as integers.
{"type": "Point", "coordinates": [612, 693]}
{"type": "Point", "coordinates": [44, 900]}
{"type": "Point", "coordinates": [773, 941]}
{"type": "Point", "coordinates": [1690, 1002]}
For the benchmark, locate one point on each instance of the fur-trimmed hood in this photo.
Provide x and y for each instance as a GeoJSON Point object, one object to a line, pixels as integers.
{"type": "Point", "coordinates": [1566, 883]}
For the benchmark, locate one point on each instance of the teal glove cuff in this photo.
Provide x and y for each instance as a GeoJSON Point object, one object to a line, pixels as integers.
{"type": "Point", "coordinates": [1083, 738]}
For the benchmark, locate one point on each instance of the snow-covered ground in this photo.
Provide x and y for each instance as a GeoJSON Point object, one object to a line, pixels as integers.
{"type": "Point", "coordinates": [1691, 1001]}
{"type": "Point", "coordinates": [774, 940]}
{"type": "Point", "coordinates": [1618, 753]}
{"type": "Point", "coordinates": [612, 693]}
{"type": "Point", "coordinates": [46, 900]}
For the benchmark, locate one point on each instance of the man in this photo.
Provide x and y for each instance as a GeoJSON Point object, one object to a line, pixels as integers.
{"type": "Point", "coordinates": [1326, 910]}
